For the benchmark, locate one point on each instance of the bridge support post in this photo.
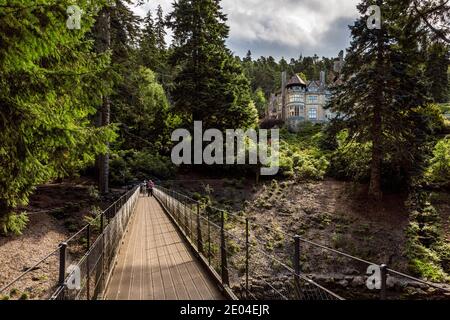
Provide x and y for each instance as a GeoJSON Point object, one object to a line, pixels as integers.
{"type": "Point", "coordinates": [296, 264]}
{"type": "Point", "coordinates": [383, 269]}
{"type": "Point", "coordinates": [223, 251]}
{"type": "Point", "coordinates": [247, 257]}
{"type": "Point", "coordinates": [102, 227]}
{"type": "Point", "coordinates": [62, 263]}
{"type": "Point", "coordinates": [88, 270]}
{"type": "Point", "coordinates": [209, 236]}
{"type": "Point", "coordinates": [199, 231]}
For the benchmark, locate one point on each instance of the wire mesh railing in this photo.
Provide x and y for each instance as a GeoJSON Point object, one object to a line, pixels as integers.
{"type": "Point", "coordinates": [82, 262]}
{"type": "Point", "coordinates": [230, 249]}
{"type": "Point", "coordinates": [255, 268]}
{"type": "Point", "coordinates": [87, 276]}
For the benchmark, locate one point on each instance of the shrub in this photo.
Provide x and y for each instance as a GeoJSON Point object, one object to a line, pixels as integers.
{"type": "Point", "coordinates": [426, 249]}
{"type": "Point", "coordinates": [438, 170]}
{"type": "Point", "coordinates": [131, 166]}
{"type": "Point", "coordinates": [351, 160]}
{"type": "Point", "coordinates": [94, 193]}
{"type": "Point", "coordinates": [15, 223]}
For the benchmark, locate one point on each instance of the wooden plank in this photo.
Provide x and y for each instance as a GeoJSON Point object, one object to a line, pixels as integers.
{"type": "Point", "coordinates": [154, 263]}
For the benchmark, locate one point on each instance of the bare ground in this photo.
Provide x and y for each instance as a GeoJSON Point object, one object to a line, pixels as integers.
{"type": "Point", "coordinates": [56, 211]}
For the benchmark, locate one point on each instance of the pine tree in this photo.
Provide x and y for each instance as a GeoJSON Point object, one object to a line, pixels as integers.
{"type": "Point", "coordinates": [248, 57]}
{"type": "Point", "coordinates": [437, 65]}
{"type": "Point", "coordinates": [46, 97]}
{"type": "Point", "coordinates": [102, 35]}
{"type": "Point", "coordinates": [148, 53]}
{"type": "Point", "coordinates": [160, 29]}
{"type": "Point", "coordinates": [384, 91]}
{"type": "Point", "coordinates": [116, 30]}
{"type": "Point", "coordinates": [211, 86]}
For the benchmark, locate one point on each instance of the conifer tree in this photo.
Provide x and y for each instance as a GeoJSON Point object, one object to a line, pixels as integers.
{"type": "Point", "coordinates": [211, 86]}
{"type": "Point", "coordinates": [47, 76]}
{"type": "Point", "coordinates": [160, 29]}
{"type": "Point", "coordinates": [438, 62]}
{"type": "Point", "coordinates": [384, 94]}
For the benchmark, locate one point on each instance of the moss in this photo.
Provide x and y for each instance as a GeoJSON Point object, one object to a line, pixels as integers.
{"type": "Point", "coordinates": [427, 251]}
{"type": "Point", "coordinates": [428, 270]}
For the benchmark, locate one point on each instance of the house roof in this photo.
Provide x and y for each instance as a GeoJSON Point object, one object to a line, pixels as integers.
{"type": "Point", "coordinates": [296, 81]}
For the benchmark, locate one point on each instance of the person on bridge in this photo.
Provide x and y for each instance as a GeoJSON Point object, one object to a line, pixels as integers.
{"type": "Point", "coordinates": [150, 186]}
{"type": "Point", "coordinates": [143, 187]}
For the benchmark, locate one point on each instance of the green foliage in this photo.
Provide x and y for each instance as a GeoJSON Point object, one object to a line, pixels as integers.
{"type": "Point", "coordinates": [14, 223]}
{"type": "Point", "coordinates": [47, 73]}
{"type": "Point", "coordinates": [210, 86]}
{"type": "Point", "coordinates": [438, 61]}
{"type": "Point", "coordinates": [438, 170]}
{"type": "Point", "coordinates": [24, 296]}
{"type": "Point", "coordinates": [426, 247]}
{"type": "Point", "coordinates": [383, 93]}
{"type": "Point", "coordinates": [131, 166]}
{"type": "Point", "coordinates": [351, 160]}
{"type": "Point", "coordinates": [93, 193]}
{"type": "Point", "coordinates": [265, 72]}
{"type": "Point", "coordinates": [145, 120]}
{"type": "Point", "coordinates": [260, 102]}
{"type": "Point", "coordinates": [301, 155]}
{"type": "Point", "coordinates": [94, 220]}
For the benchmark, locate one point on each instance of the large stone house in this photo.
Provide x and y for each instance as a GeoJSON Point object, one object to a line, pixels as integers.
{"type": "Point", "coordinates": [302, 101]}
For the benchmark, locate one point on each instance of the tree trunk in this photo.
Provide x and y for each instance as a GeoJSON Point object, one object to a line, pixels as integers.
{"type": "Point", "coordinates": [103, 43]}
{"type": "Point", "coordinates": [377, 126]}
{"type": "Point", "coordinates": [377, 157]}
{"type": "Point", "coordinates": [103, 168]}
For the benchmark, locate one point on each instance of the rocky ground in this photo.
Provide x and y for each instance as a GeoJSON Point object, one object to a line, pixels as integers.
{"type": "Point", "coordinates": [56, 211]}
{"type": "Point", "coordinates": [331, 213]}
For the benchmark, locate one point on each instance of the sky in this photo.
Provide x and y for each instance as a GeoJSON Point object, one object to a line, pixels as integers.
{"type": "Point", "coordinates": [283, 28]}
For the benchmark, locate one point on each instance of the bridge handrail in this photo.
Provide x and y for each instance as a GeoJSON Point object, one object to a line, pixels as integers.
{"type": "Point", "coordinates": [176, 205]}
{"type": "Point", "coordinates": [104, 250]}
{"type": "Point", "coordinates": [119, 201]}
{"type": "Point", "coordinates": [301, 239]}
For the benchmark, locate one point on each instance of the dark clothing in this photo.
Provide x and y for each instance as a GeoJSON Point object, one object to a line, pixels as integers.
{"type": "Point", "coordinates": [150, 186]}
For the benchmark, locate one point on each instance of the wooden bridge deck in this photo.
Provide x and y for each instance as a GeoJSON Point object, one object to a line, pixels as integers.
{"type": "Point", "coordinates": [154, 263]}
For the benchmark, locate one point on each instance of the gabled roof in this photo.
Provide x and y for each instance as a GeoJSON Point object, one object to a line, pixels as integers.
{"type": "Point", "coordinates": [296, 81]}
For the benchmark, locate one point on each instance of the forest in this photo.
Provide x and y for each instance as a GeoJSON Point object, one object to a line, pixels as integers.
{"type": "Point", "coordinates": [102, 101]}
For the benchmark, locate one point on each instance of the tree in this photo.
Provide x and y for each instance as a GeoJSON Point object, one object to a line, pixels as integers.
{"type": "Point", "coordinates": [144, 119]}
{"type": "Point", "coordinates": [46, 98]}
{"type": "Point", "coordinates": [148, 52]}
{"type": "Point", "coordinates": [437, 64]}
{"type": "Point", "coordinates": [434, 16]}
{"type": "Point", "coordinates": [102, 35]}
{"type": "Point", "coordinates": [383, 96]}
{"type": "Point", "coordinates": [248, 57]}
{"type": "Point", "coordinates": [210, 86]}
{"type": "Point", "coordinates": [160, 29]}
{"type": "Point", "coordinates": [260, 102]}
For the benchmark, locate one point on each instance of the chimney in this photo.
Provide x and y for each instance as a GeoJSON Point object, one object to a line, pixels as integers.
{"type": "Point", "coordinates": [283, 95]}
{"type": "Point", "coordinates": [322, 78]}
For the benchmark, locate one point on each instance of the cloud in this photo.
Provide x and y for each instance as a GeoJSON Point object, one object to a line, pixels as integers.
{"type": "Point", "coordinates": [284, 28]}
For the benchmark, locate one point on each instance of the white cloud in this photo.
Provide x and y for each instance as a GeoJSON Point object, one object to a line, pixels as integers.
{"type": "Point", "coordinates": [283, 27]}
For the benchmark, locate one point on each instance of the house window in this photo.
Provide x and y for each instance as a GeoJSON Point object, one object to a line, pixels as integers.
{"type": "Point", "coordinates": [297, 111]}
{"type": "Point", "coordinates": [295, 98]}
{"type": "Point", "coordinates": [312, 113]}
{"type": "Point", "coordinates": [313, 99]}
